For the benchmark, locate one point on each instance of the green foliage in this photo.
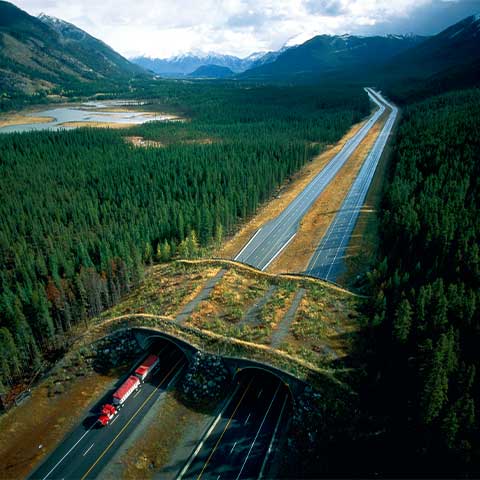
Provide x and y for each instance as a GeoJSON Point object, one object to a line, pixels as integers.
{"type": "Point", "coordinates": [82, 211]}
{"type": "Point", "coordinates": [402, 321]}
{"type": "Point", "coordinates": [427, 289]}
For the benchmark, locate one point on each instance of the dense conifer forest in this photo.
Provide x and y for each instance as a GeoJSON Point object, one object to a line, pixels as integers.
{"type": "Point", "coordinates": [83, 211]}
{"type": "Point", "coordinates": [424, 313]}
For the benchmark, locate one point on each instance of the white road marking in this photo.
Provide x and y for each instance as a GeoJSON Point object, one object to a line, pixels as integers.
{"type": "Point", "coordinates": [259, 393]}
{"type": "Point", "coordinates": [209, 432]}
{"type": "Point", "coordinates": [218, 478]}
{"type": "Point", "coordinates": [136, 394]}
{"type": "Point", "coordinates": [269, 451]}
{"type": "Point", "coordinates": [344, 221]}
{"type": "Point", "coordinates": [63, 458]}
{"type": "Point", "coordinates": [114, 420]}
{"type": "Point", "coordinates": [89, 448]}
{"type": "Point", "coordinates": [303, 202]}
{"type": "Point", "coordinates": [248, 418]}
{"type": "Point", "coordinates": [233, 448]}
{"type": "Point", "coordinates": [279, 252]}
{"type": "Point", "coordinates": [248, 243]}
{"type": "Point", "coordinates": [258, 432]}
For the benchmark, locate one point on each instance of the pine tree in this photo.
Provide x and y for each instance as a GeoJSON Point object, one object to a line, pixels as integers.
{"type": "Point", "coordinates": [402, 321]}
{"type": "Point", "coordinates": [43, 323]}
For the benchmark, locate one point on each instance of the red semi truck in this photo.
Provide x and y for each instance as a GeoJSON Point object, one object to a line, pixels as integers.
{"type": "Point", "coordinates": [107, 413]}
{"type": "Point", "coordinates": [147, 366]}
{"type": "Point", "coordinates": [130, 385]}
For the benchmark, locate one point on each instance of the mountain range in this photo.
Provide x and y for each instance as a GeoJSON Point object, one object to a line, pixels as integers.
{"type": "Point", "coordinates": [187, 63]}
{"type": "Point", "coordinates": [406, 67]}
{"type": "Point", "coordinates": [443, 62]}
{"type": "Point", "coordinates": [48, 55]}
{"type": "Point", "coordinates": [324, 54]}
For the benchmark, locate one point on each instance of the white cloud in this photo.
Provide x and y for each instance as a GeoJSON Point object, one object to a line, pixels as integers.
{"type": "Point", "coordinates": [161, 28]}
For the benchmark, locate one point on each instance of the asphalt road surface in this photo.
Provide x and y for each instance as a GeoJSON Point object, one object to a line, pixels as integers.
{"type": "Point", "coordinates": [270, 240]}
{"type": "Point", "coordinates": [328, 260]}
{"type": "Point", "coordinates": [243, 436]}
{"type": "Point", "coordinates": [88, 448]}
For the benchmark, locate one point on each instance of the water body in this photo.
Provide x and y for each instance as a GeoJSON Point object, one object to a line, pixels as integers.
{"type": "Point", "coordinates": [87, 112]}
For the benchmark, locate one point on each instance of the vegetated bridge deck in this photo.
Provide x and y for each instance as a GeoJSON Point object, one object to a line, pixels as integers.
{"type": "Point", "coordinates": [237, 354]}
{"type": "Point", "coordinates": [145, 337]}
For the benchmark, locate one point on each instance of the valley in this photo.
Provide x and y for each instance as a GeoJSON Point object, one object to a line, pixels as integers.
{"type": "Point", "coordinates": [241, 320]}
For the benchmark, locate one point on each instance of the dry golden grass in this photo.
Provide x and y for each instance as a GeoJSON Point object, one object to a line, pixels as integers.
{"type": "Point", "coordinates": [141, 142]}
{"type": "Point", "coordinates": [205, 275]}
{"type": "Point", "coordinates": [153, 450]}
{"type": "Point", "coordinates": [227, 311]}
{"type": "Point", "coordinates": [29, 432]}
{"type": "Point", "coordinates": [276, 308]}
{"type": "Point", "coordinates": [301, 280]}
{"type": "Point", "coordinates": [229, 300]}
{"type": "Point", "coordinates": [19, 119]}
{"type": "Point", "coordinates": [166, 289]}
{"type": "Point", "coordinates": [322, 329]}
{"type": "Point", "coordinates": [287, 194]}
{"type": "Point", "coordinates": [313, 226]}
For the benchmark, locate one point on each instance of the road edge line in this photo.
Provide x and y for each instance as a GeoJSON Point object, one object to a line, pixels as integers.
{"type": "Point", "coordinates": [127, 424]}
{"type": "Point", "coordinates": [272, 441]}
{"type": "Point", "coordinates": [279, 252]}
{"type": "Point", "coordinates": [206, 434]}
{"type": "Point", "coordinates": [248, 243]}
{"type": "Point", "coordinates": [257, 434]}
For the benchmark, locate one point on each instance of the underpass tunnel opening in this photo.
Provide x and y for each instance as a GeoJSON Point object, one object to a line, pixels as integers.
{"type": "Point", "coordinates": [165, 348]}
{"type": "Point", "coordinates": [259, 382]}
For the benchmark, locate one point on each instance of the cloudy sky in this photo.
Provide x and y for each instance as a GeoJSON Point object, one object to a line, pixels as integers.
{"type": "Point", "coordinates": [162, 28]}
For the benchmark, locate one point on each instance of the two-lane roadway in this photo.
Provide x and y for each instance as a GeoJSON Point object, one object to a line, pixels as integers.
{"type": "Point", "coordinates": [270, 240]}
{"type": "Point", "coordinates": [328, 260]}
{"type": "Point", "coordinates": [240, 441]}
{"type": "Point", "coordinates": [88, 448]}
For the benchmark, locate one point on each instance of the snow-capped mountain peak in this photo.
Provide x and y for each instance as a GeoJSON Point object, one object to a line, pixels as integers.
{"type": "Point", "coordinates": [186, 63]}
{"type": "Point", "coordinates": [54, 21]}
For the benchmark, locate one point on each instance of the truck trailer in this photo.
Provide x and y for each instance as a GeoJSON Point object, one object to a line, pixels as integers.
{"type": "Point", "coordinates": [147, 367]}
{"type": "Point", "coordinates": [130, 385]}
{"type": "Point", "coordinates": [125, 390]}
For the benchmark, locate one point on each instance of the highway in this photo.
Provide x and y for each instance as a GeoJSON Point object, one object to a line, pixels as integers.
{"type": "Point", "coordinates": [273, 237]}
{"type": "Point", "coordinates": [327, 261]}
{"type": "Point", "coordinates": [88, 448]}
{"type": "Point", "coordinates": [242, 436]}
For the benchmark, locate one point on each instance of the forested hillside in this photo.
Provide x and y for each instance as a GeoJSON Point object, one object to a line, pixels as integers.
{"type": "Point", "coordinates": [82, 211]}
{"type": "Point", "coordinates": [332, 55]}
{"type": "Point", "coordinates": [444, 62]}
{"type": "Point", "coordinates": [40, 56]}
{"type": "Point", "coordinates": [424, 315]}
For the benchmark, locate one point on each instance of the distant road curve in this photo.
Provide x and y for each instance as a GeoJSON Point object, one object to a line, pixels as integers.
{"type": "Point", "coordinates": [273, 237]}
{"type": "Point", "coordinates": [327, 262]}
